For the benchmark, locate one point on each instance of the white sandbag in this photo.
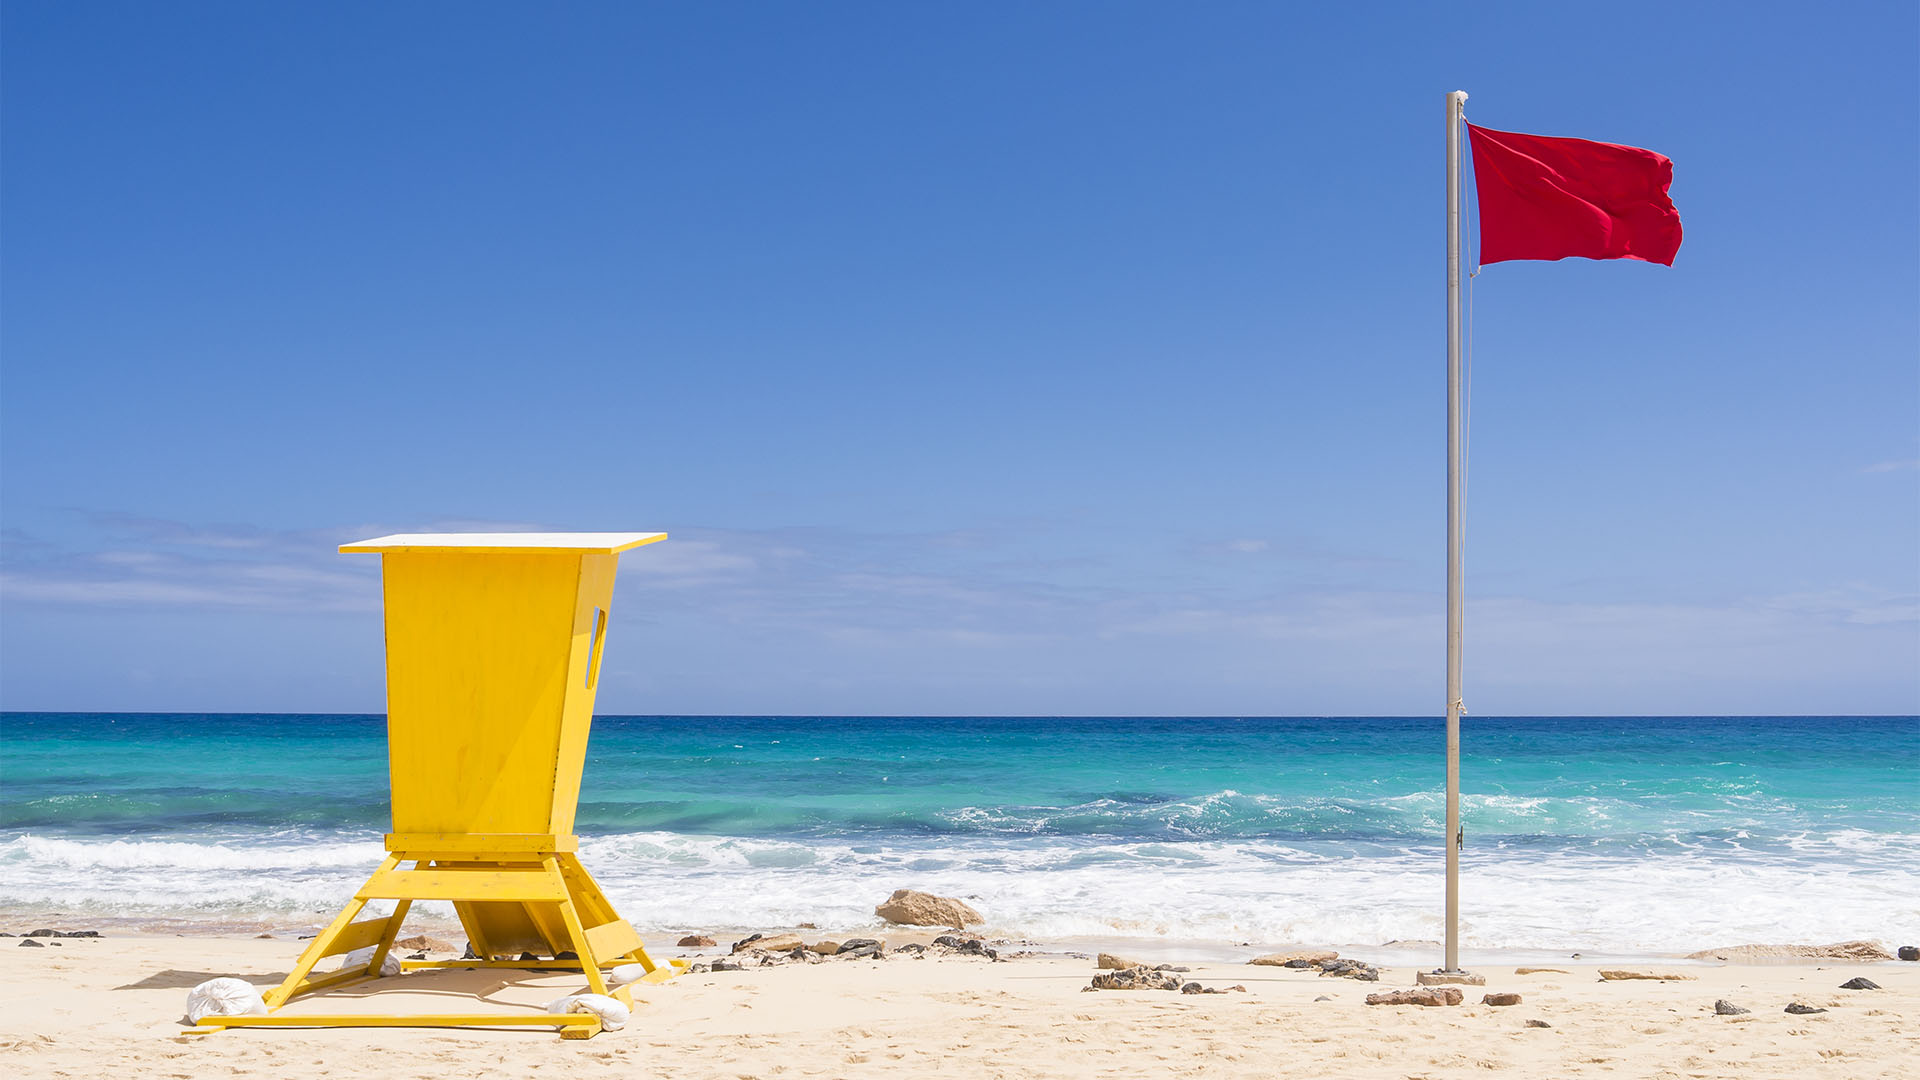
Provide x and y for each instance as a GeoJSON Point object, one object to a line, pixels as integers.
{"type": "Point", "coordinates": [225, 997]}
{"type": "Point", "coordinates": [360, 958]}
{"type": "Point", "coordinates": [624, 974]}
{"type": "Point", "coordinates": [613, 1015]}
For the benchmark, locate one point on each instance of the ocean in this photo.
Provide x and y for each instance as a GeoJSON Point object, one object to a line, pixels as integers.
{"type": "Point", "coordinates": [1603, 835]}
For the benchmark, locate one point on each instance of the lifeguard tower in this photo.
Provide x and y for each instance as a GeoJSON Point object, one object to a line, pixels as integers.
{"type": "Point", "coordinates": [493, 650]}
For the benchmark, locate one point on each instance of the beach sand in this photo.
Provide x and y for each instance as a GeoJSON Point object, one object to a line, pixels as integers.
{"type": "Point", "coordinates": [113, 1007]}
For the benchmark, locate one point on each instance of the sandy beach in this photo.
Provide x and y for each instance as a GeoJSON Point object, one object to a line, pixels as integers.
{"type": "Point", "coordinates": [112, 1006]}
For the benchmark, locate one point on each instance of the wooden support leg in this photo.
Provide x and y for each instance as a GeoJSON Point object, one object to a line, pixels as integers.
{"type": "Point", "coordinates": [317, 949]}
{"type": "Point", "coordinates": [577, 934]}
{"type": "Point", "coordinates": [393, 931]}
{"type": "Point", "coordinates": [594, 906]}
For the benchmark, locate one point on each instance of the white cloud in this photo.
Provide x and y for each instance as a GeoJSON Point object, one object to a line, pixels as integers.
{"type": "Point", "coordinates": [980, 626]}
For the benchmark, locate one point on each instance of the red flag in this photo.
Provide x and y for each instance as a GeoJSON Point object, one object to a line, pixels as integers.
{"type": "Point", "coordinates": [1543, 197]}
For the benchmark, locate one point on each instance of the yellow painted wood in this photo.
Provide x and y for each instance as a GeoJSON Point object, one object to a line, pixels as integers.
{"type": "Point", "coordinates": [578, 936]}
{"type": "Point", "coordinates": [567, 1020]}
{"type": "Point", "coordinates": [614, 939]}
{"type": "Point", "coordinates": [331, 981]}
{"type": "Point", "coordinates": [587, 647]}
{"type": "Point", "coordinates": [524, 965]}
{"type": "Point", "coordinates": [495, 644]}
{"type": "Point", "coordinates": [534, 845]}
{"type": "Point", "coordinates": [385, 944]}
{"type": "Point", "coordinates": [603, 543]}
{"type": "Point", "coordinates": [478, 650]}
{"type": "Point", "coordinates": [317, 948]}
{"type": "Point", "coordinates": [357, 936]}
{"type": "Point", "coordinates": [441, 884]}
{"type": "Point", "coordinates": [592, 904]}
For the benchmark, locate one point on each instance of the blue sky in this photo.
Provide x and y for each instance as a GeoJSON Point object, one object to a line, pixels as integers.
{"type": "Point", "coordinates": [1048, 358]}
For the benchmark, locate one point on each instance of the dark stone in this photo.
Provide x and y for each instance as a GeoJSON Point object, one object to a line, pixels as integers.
{"type": "Point", "coordinates": [1724, 1007]}
{"type": "Point", "coordinates": [1172, 967]}
{"type": "Point", "coordinates": [1323, 997]}
{"type": "Point", "coordinates": [1136, 978]}
{"type": "Point", "coordinates": [568, 954]}
{"type": "Point", "coordinates": [951, 941]}
{"type": "Point", "coordinates": [58, 944]}
{"type": "Point", "coordinates": [1799, 1009]}
{"type": "Point", "coordinates": [1500, 999]}
{"type": "Point", "coordinates": [912, 949]}
{"type": "Point", "coordinates": [418, 956]}
{"type": "Point", "coordinates": [1909, 952]}
{"type": "Point", "coordinates": [470, 954]}
{"type": "Point", "coordinates": [43, 933]}
{"type": "Point", "coordinates": [79, 933]}
{"type": "Point", "coordinates": [1192, 988]}
{"type": "Point", "coordinates": [1350, 969]}
{"type": "Point", "coordinates": [1538, 1024]}
{"type": "Point", "coordinates": [1298, 964]}
{"type": "Point", "coordinates": [973, 947]}
{"type": "Point", "coordinates": [3, 933]}
{"type": "Point", "coordinates": [747, 941]}
{"type": "Point", "coordinates": [728, 965]}
{"type": "Point", "coordinates": [1861, 983]}
{"type": "Point", "coordinates": [29, 943]}
{"type": "Point", "coordinates": [528, 956]}
{"type": "Point", "coordinates": [862, 948]}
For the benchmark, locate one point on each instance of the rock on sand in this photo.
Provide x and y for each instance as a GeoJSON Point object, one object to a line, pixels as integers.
{"type": "Point", "coordinates": [1312, 957]}
{"type": "Point", "coordinates": [1426, 995]}
{"type": "Point", "coordinates": [1839, 950]}
{"type": "Point", "coordinates": [1136, 978]}
{"type": "Point", "coordinates": [907, 907]}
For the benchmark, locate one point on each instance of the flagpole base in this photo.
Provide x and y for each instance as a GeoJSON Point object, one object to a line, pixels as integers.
{"type": "Point", "coordinates": [1446, 976]}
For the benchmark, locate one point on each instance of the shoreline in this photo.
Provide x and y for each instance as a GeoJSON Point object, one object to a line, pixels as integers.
{"type": "Point", "coordinates": [1399, 954]}
{"type": "Point", "coordinates": [113, 1005]}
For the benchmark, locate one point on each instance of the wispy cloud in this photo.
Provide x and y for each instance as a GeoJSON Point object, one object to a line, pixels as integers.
{"type": "Point", "coordinates": [1901, 465]}
{"type": "Point", "coordinates": [983, 619]}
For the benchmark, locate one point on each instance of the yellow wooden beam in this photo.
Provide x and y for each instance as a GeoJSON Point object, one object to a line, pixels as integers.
{"type": "Point", "coordinates": [577, 933]}
{"type": "Point", "coordinates": [356, 936]}
{"type": "Point", "coordinates": [569, 1020]}
{"type": "Point", "coordinates": [484, 844]}
{"type": "Point", "coordinates": [617, 938]}
{"type": "Point", "coordinates": [527, 965]}
{"type": "Point", "coordinates": [330, 981]}
{"type": "Point", "coordinates": [317, 948]}
{"type": "Point", "coordinates": [464, 884]}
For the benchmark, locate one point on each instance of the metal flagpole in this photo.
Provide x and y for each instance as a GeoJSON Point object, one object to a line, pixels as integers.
{"type": "Point", "coordinates": [1456, 533]}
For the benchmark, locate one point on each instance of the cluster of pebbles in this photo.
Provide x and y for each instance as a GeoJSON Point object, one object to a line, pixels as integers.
{"type": "Point", "coordinates": [761, 950]}
{"type": "Point", "coordinates": [31, 939]}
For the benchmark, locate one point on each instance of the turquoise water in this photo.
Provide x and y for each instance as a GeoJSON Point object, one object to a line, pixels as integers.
{"type": "Point", "coordinates": [1609, 834]}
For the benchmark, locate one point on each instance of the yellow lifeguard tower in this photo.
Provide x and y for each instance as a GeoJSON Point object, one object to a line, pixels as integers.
{"type": "Point", "coordinates": [493, 650]}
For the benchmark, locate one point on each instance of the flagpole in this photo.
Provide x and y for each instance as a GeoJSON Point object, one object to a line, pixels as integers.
{"type": "Point", "coordinates": [1456, 577]}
